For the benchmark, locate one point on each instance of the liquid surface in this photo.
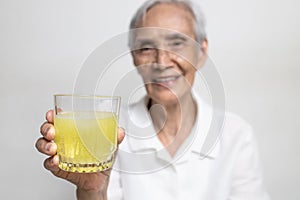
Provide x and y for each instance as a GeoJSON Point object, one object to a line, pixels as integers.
{"type": "Point", "coordinates": [86, 141]}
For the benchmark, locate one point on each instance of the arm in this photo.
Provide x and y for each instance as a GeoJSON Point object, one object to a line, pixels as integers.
{"type": "Point", "coordinates": [247, 182]}
{"type": "Point", "coordinates": [85, 195]}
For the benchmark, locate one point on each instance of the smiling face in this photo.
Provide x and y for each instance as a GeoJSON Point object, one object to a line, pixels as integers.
{"type": "Point", "coordinates": [166, 54]}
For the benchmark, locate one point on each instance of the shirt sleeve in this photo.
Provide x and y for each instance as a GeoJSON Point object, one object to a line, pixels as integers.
{"type": "Point", "coordinates": [247, 182]}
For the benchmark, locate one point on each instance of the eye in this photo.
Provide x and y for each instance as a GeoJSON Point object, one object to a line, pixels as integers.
{"type": "Point", "coordinates": [176, 44]}
{"type": "Point", "coordinates": [146, 50]}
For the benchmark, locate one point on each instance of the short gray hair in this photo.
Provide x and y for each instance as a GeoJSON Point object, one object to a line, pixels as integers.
{"type": "Point", "coordinates": [194, 9]}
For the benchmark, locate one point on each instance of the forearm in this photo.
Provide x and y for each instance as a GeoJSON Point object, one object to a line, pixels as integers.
{"type": "Point", "coordinates": [90, 195]}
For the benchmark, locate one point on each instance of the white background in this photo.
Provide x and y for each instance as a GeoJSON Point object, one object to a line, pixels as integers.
{"type": "Point", "coordinates": [254, 43]}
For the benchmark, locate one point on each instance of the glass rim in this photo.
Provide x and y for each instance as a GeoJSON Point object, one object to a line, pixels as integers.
{"type": "Point", "coordinates": [87, 96]}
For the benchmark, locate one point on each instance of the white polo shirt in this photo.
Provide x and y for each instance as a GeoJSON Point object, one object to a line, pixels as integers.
{"type": "Point", "coordinates": [144, 170]}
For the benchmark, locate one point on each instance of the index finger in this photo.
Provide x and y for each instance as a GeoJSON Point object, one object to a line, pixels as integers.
{"type": "Point", "coordinates": [50, 116]}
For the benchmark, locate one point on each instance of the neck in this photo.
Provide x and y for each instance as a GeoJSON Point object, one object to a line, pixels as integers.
{"type": "Point", "coordinates": [174, 121]}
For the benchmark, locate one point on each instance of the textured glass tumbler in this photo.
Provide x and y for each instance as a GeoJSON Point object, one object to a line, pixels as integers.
{"type": "Point", "coordinates": [86, 132]}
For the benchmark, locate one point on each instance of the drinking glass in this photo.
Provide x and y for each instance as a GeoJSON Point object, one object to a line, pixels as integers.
{"type": "Point", "coordinates": [86, 131]}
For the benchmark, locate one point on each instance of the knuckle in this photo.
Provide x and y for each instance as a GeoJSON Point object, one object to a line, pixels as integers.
{"type": "Point", "coordinates": [46, 163]}
{"type": "Point", "coordinates": [47, 130]}
{"type": "Point", "coordinates": [38, 144]}
{"type": "Point", "coordinates": [47, 114]}
{"type": "Point", "coordinates": [42, 127]}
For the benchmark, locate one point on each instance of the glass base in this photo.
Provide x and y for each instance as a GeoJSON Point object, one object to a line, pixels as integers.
{"type": "Point", "coordinates": [85, 168]}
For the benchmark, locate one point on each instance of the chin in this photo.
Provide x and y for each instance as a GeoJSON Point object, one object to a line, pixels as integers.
{"type": "Point", "coordinates": [165, 98]}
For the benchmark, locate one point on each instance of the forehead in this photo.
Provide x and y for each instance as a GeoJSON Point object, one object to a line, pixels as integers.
{"type": "Point", "coordinates": [169, 16]}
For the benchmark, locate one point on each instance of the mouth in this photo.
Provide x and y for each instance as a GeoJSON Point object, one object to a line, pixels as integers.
{"type": "Point", "coordinates": [166, 80]}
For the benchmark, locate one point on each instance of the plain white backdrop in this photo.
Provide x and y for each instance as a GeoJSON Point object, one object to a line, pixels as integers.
{"type": "Point", "coordinates": [254, 44]}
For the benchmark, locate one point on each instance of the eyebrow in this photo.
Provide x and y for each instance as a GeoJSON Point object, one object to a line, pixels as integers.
{"type": "Point", "coordinates": [169, 37]}
{"type": "Point", "coordinates": [176, 36]}
{"type": "Point", "coordinates": [141, 42]}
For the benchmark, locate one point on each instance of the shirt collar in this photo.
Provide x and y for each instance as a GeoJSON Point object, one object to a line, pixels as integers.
{"type": "Point", "coordinates": [142, 136]}
{"type": "Point", "coordinates": [140, 133]}
{"type": "Point", "coordinates": [198, 135]}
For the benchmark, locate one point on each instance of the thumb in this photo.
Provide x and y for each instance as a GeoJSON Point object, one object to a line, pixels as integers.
{"type": "Point", "coordinates": [121, 135]}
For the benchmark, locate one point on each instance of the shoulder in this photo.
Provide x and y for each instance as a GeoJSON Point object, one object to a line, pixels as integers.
{"type": "Point", "coordinates": [235, 124]}
{"type": "Point", "coordinates": [237, 133]}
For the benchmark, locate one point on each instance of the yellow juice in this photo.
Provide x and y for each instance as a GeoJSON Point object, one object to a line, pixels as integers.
{"type": "Point", "coordinates": [86, 141]}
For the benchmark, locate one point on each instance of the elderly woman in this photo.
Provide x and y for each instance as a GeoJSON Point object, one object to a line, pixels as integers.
{"type": "Point", "coordinates": [165, 54]}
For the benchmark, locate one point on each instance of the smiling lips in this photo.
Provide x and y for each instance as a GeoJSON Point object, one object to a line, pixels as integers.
{"type": "Point", "coordinates": [166, 81]}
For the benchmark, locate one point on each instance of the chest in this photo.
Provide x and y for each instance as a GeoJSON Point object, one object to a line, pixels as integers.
{"type": "Point", "coordinates": [191, 179]}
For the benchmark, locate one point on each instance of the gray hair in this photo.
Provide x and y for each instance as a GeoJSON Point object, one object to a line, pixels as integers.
{"type": "Point", "coordinates": [194, 9]}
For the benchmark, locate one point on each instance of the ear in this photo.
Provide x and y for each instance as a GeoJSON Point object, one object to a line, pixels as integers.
{"type": "Point", "coordinates": [202, 55]}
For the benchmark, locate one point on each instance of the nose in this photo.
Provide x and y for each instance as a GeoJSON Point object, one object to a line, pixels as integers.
{"type": "Point", "coordinates": [163, 58]}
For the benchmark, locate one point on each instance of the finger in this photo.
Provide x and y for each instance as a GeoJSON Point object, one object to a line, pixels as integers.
{"type": "Point", "coordinates": [48, 131]}
{"type": "Point", "coordinates": [46, 147]}
{"type": "Point", "coordinates": [121, 135]}
{"type": "Point", "coordinates": [50, 116]}
{"type": "Point", "coordinates": [51, 164]}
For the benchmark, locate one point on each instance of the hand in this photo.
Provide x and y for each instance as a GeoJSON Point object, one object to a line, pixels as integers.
{"type": "Point", "coordinates": [88, 184]}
